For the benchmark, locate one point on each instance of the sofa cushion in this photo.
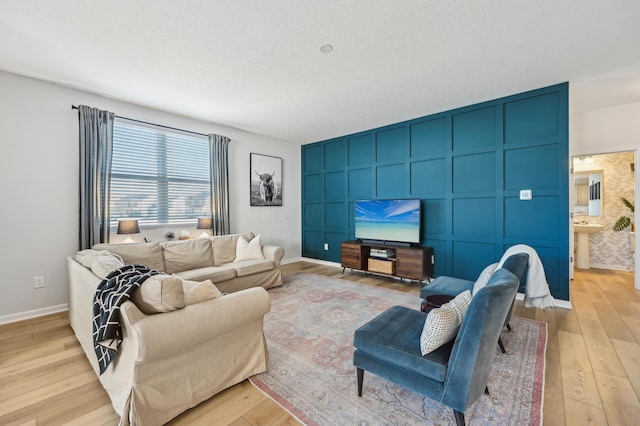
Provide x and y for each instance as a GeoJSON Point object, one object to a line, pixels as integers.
{"type": "Point", "coordinates": [247, 250]}
{"type": "Point", "coordinates": [224, 247]}
{"type": "Point", "coordinates": [199, 291]}
{"type": "Point", "coordinates": [213, 273]}
{"type": "Point", "coordinates": [187, 254]}
{"type": "Point", "coordinates": [483, 278]}
{"type": "Point", "coordinates": [253, 266]}
{"type": "Point", "coordinates": [159, 293]}
{"type": "Point", "coordinates": [147, 254]}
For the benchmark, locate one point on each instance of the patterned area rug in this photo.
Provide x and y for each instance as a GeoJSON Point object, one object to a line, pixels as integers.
{"type": "Point", "coordinates": [310, 337]}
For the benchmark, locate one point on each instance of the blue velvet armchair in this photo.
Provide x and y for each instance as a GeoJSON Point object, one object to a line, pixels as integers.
{"type": "Point", "coordinates": [455, 374]}
{"type": "Point", "coordinates": [450, 286]}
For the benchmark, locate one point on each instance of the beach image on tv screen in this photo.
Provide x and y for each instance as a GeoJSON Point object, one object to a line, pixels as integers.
{"type": "Point", "coordinates": [388, 220]}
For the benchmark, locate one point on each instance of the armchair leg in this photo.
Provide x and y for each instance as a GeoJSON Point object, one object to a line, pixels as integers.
{"type": "Point", "coordinates": [459, 418]}
{"type": "Point", "coordinates": [509, 326]}
{"type": "Point", "coordinates": [486, 390]}
{"type": "Point", "coordinates": [501, 345]}
{"type": "Point", "coordinates": [360, 374]}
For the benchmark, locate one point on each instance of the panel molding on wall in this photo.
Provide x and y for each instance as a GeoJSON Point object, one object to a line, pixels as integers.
{"type": "Point", "coordinates": [467, 166]}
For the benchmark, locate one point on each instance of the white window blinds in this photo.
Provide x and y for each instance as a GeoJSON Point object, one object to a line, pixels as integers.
{"type": "Point", "coordinates": [158, 176]}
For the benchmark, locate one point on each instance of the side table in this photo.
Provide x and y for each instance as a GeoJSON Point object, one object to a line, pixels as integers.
{"type": "Point", "coordinates": [435, 301]}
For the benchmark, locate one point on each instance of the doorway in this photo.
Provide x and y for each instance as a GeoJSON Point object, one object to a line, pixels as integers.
{"type": "Point", "coordinates": [599, 183]}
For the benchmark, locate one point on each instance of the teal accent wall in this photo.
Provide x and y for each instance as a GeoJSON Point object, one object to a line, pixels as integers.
{"type": "Point", "coordinates": [467, 166]}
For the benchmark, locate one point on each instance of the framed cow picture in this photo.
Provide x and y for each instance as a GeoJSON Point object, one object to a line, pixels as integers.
{"type": "Point", "coordinates": [266, 180]}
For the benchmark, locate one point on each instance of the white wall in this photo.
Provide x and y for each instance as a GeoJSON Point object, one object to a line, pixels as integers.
{"type": "Point", "coordinates": [39, 187]}
{"type": "Point", "coordinates": [604, 130]}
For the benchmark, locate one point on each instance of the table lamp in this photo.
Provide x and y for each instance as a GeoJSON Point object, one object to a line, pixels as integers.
{"type": "Point", "coordinates": [204, 223]}
{"type": "Point", "coordinates": [128, 227]}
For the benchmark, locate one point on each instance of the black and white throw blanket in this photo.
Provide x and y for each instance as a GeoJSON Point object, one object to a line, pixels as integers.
{"type": "Point", "coordinates": [110, 294]}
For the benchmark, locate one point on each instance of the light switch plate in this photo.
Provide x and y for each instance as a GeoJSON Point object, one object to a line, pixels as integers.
{"type": "Point", "coordinates": [525, 194]}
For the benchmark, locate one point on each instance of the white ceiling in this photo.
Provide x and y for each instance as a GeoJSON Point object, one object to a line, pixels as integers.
{"type": "Point", "coordinates": [256, 65]}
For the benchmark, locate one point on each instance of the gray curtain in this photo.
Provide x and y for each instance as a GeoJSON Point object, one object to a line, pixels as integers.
{"type": "Point", "coordinates": [219, 151]}
{"type": "Point", "coordinates": [96, 144]}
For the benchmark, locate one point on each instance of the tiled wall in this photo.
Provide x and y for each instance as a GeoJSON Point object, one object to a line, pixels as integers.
{"type": "Point", "coordinates": [610, 249]}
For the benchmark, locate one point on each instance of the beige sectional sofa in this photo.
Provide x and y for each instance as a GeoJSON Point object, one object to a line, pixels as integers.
{"type": "Point", "coordinates": [169, 362]}
{"type": "Point", "coordinates": [213, 258]}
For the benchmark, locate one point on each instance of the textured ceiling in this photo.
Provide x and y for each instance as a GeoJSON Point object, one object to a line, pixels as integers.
{"type": "Point", "coordinates": [256, 65]}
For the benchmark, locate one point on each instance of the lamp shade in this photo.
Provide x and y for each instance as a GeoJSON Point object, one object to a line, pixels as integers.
{"type": "Point", "coordinates": [128, 226]}
{"type": "Point", "coordinates": [204, 223]}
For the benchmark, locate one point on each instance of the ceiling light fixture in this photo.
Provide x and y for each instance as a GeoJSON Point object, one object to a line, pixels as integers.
{"type": "Point", "coordinates": [326, 48]}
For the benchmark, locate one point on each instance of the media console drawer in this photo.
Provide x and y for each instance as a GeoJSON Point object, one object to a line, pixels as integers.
{"type": "Point", "coordinates": [384, 266]}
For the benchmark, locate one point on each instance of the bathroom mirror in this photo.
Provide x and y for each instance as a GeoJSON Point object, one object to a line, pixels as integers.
{"type": "Point", "coordinates": [588, 192]}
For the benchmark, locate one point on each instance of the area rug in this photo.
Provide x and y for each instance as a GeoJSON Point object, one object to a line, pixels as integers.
{"type": "Point", "coordinates": [311, 374]}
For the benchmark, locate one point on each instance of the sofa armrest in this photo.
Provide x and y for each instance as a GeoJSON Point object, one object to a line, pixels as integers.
{"type": "Point", "coordinates": [162, 335]}
{"type": "Point", "coordinates": [273, 253]}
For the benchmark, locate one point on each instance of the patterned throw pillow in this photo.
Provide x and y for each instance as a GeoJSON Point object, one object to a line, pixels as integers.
{"type": "Point", "coordinates": [440, 326]}
{"type": "Point", "coordinates": [484, 277]}
{"type": "Point", "coordinates": [459, 304]}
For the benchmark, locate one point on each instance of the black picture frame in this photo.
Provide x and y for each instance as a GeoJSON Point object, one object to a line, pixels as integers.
{"type": "Point", "coordinates": [265, 180]}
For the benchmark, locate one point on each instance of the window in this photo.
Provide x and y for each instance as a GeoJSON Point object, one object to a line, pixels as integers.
{"type": "Point", "coordinates": [158, 176]}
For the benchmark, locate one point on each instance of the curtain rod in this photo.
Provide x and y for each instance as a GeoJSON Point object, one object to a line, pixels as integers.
{"type": "Point", "coordinates": [153, 124]}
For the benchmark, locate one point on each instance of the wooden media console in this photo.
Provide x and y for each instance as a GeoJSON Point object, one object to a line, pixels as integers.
{"type": "Point", "coordinates": [412, 263]}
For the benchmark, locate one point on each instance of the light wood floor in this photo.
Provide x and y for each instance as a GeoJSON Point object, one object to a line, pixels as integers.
{"type": "Point", "coordinates": [592, 376]}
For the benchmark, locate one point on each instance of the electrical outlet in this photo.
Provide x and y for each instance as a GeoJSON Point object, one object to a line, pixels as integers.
{"type": "Point", "coordinates": [326, 246]}
{"type": "Point", "coordinates": [526, 194]}
{"type": "Point", "coordinates": [38, 282]}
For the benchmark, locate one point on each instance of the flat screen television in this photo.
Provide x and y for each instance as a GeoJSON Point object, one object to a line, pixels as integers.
{"type": "Point", "coordinates": [388, 220]}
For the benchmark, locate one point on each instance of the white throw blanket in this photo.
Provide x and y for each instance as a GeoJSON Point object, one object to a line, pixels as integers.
{"type": "Point", "coordinates": [536, 293]}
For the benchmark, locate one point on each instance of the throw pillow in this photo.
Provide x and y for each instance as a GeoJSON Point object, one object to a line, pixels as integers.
{"type": "Point", "coordinates": [459, 304]}
{"type": "Point", "coordinates": [199, 291]}
{"type": "Point", "coordinates": [159, 293]}
{"type": "Point", "coordinates": [246, 250]}
{"type": "Point", "coordinates": [85, 257]}
{"type": "Point", "coordinates": [224, 247]}
{"type": "Point", "coordinates": [483, 278]}
{"type": "Point", "coordinates": [104, 262]}
{"type": "Point", "coordinates": [440, 326]}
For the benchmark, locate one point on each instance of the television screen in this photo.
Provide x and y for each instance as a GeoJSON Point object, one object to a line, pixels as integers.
{"type": "Point", "coordinates": [388, 220]}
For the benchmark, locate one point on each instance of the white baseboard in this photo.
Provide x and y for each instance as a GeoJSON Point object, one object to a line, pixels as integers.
{"type": "Point", "coordinates": [558, 303]}
{"type": "Point", "coordinates": [294, 259]}
{"type": "Point", "coordinates": [320, 262]}
{"type": "Point", "coordinates": [563, 304]}
{"type": "Point", "coordinates": [5, 319]}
